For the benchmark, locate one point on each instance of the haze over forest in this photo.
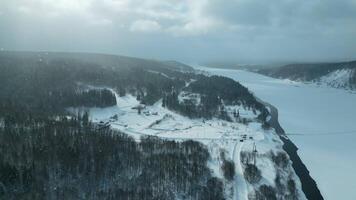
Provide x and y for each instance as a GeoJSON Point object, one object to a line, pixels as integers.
{"type": "Point", "coordinates": [177, 99]}
{"type": "Point", "coordinates": [245, 31]}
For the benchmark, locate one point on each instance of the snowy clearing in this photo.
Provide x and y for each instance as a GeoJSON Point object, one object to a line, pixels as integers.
{"type": "Point", "coordinates": [218, 135]}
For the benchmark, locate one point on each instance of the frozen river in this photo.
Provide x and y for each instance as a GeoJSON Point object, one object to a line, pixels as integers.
{"type": "Point", "coordinates": [326, 120]}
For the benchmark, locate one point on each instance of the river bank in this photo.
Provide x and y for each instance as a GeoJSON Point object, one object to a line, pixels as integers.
{"type": "Point", "coordinates": [309, 186]}
{"type": "Point", "coordinates": [316, 119]}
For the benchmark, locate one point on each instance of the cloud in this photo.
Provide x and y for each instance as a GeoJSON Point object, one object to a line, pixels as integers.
{"type": "Point", "coordinates": [101, 22]}
{"type": "Point", "coordinates": [193, 28]}
{"type": "Point", "coordinates": [241, 12]}
{"type": "Point", "coordinates": [184, 29]}
{"type": "Point", "coordinates": [145, 26]}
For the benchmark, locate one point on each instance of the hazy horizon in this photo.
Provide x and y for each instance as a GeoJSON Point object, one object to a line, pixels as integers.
{"type": "Point", "coordinates": [243, 31]}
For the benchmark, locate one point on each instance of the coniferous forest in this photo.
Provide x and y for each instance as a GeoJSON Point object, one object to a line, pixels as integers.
{"type": "Point", "coordinates": [177, 99]}
{"type": "Point", "coordinates": [48, 153]}
{"type": "Point", "coordinates": [70, 159]}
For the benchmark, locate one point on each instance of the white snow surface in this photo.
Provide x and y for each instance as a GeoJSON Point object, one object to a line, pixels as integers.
{"type": "Point", "coordinates": [189, 96]}
{"type": "Point", "coordinates": [216, 134]}
{"type": "Point", "coordinates": [313, 110]}
{"type": "Point", "coordinates": [337, 79]}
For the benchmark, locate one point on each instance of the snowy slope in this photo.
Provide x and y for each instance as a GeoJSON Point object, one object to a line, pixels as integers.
{"type": "Point", "coordinates": [312, 110]}
{"type": "Point", "coordinates": [337, 79]}
{"type": "Point", "coordinates": [337, 75]}
{"type": "Point", "coordinates": [229, 137]}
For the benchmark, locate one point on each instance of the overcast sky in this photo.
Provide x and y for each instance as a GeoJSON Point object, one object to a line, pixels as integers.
{"type": "Point", "coordinates": [246, 31]}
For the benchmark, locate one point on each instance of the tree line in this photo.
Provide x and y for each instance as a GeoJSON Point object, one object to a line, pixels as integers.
{"type": "Point", "coordinates": [51, 86]}
{"type": "Point", "coordinates": [71, 159]}
{"type": "Point", "coordinates": [215, 93]}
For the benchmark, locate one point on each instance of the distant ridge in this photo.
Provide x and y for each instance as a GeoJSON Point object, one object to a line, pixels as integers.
{"type": "Point", "coordinates": [107, 60]}
{"type": "Point", "coordinates": [337, 75]}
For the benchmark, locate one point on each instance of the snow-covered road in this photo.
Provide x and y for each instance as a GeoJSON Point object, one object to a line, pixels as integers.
{"type": "Point", "coordinates": [241, 192]}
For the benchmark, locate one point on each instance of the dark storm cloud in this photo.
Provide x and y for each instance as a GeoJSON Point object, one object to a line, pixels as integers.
{"type": "Point", "coordinates": [239, 30]}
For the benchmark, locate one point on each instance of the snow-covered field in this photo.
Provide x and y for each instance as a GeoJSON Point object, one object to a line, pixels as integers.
{"type": "Point", "coordinates": [325, 115]}
{"type": "Point", "coordinates": [216, 134]}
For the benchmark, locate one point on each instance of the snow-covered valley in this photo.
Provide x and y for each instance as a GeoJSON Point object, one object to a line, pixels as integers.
{"type": "Point", "coordinates": [231, 138]}
{"type": "Point", "coordinates": [320, 120]}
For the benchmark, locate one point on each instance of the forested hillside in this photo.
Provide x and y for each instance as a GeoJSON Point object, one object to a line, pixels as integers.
{"type": "Point", "coordinates": [70, 159]}
{"type": "Point", "coordinates": [215, 93]}
{"type": "Point", "coordinates": [339, 75]}
{"type": "Point", "coordinates": [48, 152]}
{"type": "Point", "coordinates": [48, 83]}
{"type": "Point", "coordinates": [41, 84]}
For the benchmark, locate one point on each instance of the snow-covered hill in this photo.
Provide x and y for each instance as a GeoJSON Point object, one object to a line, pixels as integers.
{"type": "Point", "coordinates": [336, 75]}
{"type": "Point", "coordinates": [340, 78]}
{"type": "Point", "coordinates": [225, 140]}
{"type": "Point", "coordinates": [144, 98]}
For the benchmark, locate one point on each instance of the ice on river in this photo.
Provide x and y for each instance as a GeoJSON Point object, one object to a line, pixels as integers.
{"type": "Point", "coordinates": [313, 110]}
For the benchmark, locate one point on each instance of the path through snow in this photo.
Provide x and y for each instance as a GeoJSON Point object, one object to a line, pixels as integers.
{"type": "Point", "coordinates": [241, 192]}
